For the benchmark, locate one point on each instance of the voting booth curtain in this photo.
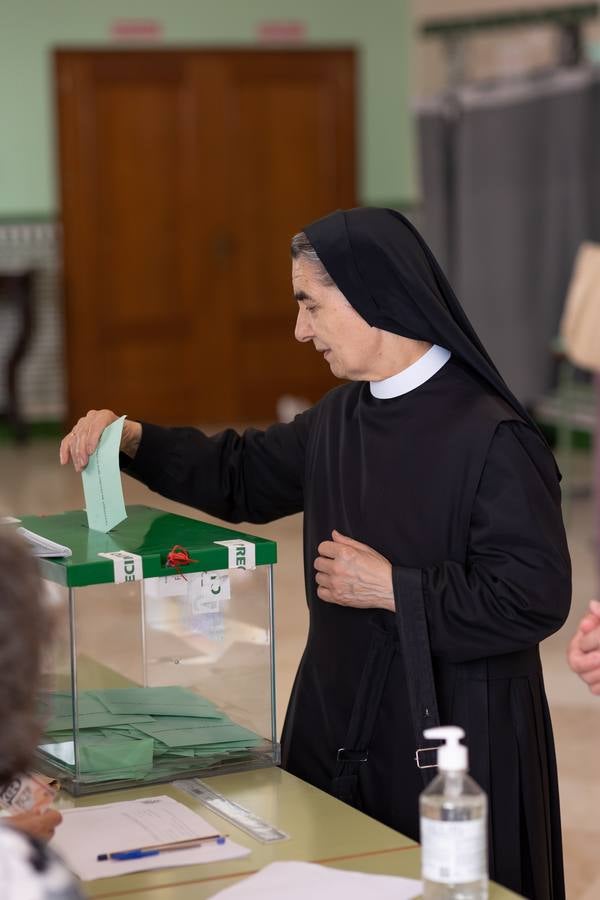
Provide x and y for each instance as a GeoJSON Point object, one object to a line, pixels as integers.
{"type": "Point", "coordinates": [511, 187]}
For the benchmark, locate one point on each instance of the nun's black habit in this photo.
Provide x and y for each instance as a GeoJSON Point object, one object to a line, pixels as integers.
{"type": "Point", "coordinates": [452, 483]}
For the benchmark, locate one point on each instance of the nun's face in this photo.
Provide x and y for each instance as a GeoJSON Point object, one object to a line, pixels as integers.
{"type": "Point", "coordinates": [326, 318]}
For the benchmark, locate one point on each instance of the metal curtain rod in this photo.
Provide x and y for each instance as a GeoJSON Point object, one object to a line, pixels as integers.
{"type": "Point", "coordinates": [563, 16]}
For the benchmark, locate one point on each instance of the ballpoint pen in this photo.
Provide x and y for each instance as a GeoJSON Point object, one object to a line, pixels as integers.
{"type": "Point", "coordinates": [156, 849]}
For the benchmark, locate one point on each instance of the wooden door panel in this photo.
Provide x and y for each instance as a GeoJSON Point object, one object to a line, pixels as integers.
{"type": "Point", "coordinates": [289, 164]}
{"type": "Point", "coordinates": [142, 141]}
{"type": "Point", "coordinates": [127, 156]}
{"type": "Point", "coordinates": [184, 175]}
{"type": "Point", "coordinates": [129, 377]}
{"type": "Point", "coordinates": [274, 364]}
{"type": "Point", "coordinates": [292, 140]}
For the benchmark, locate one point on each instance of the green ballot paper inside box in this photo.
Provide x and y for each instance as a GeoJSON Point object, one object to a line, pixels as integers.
{"type": "Point", "coordinates": [156, 674]}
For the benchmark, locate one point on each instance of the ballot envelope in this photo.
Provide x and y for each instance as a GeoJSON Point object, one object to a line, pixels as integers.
{"type": "Point", "coordinates": [160, 664]}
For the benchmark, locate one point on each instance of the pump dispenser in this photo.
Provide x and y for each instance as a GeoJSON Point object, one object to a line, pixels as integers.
{"type": "Point", "coordinates": [452, 756]}
{"type": "Point", "coordinates": [453, 812]}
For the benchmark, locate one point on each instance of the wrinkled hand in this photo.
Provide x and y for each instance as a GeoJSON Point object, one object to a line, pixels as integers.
{"type": "Point", "coordinates": [583, 654]}
{"type": "Point", "coordinates": [81, 442]}
{"type": "Point", "coordinates": [36, 824]}
{"type": "Point", "coordinates": [352, 574]}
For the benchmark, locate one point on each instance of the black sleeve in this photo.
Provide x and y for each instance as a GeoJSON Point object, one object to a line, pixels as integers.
{"type": "Point", "coordinates": [515, 588]}
{"type": "Point", "coordinates": [256, 476]}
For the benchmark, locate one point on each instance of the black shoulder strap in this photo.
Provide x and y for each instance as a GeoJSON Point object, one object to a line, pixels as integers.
{"type": "Point", "coordinates": [416, 656]}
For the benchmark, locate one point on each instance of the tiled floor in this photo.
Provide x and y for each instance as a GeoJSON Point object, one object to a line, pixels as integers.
{"type": "Point", "coordinates": [31, 481]}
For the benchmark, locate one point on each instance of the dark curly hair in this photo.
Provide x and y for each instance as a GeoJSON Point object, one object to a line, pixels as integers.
{"type": "Point", "coordinates": [24, 623]}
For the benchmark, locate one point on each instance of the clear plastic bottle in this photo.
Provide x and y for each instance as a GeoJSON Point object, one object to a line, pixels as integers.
{"type": "Point", "coordinates": [453, 813]}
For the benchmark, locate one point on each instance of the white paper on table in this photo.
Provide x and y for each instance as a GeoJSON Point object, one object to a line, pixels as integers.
{"type": "Point", "coordinates": [90, 830]}
{"type": "Point", "coordinates": [298, 880]}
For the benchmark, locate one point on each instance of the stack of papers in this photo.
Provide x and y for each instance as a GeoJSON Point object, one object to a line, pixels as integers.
{"type": "Point", "coordinates": [41, 546]}
{"type": "Point", "coordinates": [108, 828]}
{"type": "Point", "coordinates": [125, 733]}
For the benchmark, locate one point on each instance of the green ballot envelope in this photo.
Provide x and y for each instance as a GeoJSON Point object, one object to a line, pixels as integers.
{"type": "Point", "coordinates": [156, 672]}
{"type": "Point", "coordinates": [101, 480]}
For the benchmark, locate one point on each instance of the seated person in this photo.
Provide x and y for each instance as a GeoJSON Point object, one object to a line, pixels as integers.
{"type": "Point", "coordinates": [29, 870]}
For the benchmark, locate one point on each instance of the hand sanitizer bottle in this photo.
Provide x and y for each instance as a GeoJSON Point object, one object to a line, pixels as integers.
{"type": "Point", "coordinates": [453, 811]}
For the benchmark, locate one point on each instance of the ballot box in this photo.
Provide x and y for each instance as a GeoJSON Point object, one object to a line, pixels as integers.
{"type": "Point", "coordinates": [161, 660]}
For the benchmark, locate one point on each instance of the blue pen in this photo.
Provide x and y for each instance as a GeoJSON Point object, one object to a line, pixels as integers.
{"type": "Point", "coordinates": [143, 852]}
{"type": "Point", "coordinates": [129, 854]}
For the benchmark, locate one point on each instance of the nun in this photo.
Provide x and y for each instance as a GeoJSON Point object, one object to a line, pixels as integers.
{"type": "Point", "coordinates": [434, 550]}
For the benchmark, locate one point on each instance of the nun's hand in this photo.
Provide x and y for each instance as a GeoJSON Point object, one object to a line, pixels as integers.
{"type": "Point", "coordinates": [351, 574]}
{"type": "Point", "coordinates": [79, 444]}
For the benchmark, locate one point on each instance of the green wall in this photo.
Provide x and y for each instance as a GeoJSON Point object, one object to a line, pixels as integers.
{"type": "Point", "coordinates": [30, 29]}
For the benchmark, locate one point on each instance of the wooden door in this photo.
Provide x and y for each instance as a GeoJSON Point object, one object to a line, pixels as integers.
{"type": "Point", "coordinates": [291, 142]}
{"type": "Point", "coordinates": [184, 175]}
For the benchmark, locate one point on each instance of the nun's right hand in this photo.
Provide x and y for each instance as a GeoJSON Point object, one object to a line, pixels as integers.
{"type": "Point", "coordinates": [79, 444]}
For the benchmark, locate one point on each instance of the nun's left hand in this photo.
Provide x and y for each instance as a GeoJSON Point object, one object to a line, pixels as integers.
{"type": "Point", "coordinates": [352, 574]}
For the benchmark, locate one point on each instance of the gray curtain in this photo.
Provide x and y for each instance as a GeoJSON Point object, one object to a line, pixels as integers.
{"type": "Point", "coordinates": [511, 186]}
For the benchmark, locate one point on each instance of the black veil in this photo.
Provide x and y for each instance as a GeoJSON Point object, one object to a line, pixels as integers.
{"type": "Point", "coordinates": [382, 265]}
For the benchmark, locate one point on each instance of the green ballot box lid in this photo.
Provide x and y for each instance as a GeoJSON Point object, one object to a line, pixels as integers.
{"type": "Point", "coordinates": [149, 534]}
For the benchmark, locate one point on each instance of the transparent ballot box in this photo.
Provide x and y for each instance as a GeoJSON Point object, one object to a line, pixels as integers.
{"type": "Point", "coordinates": [153, 672]}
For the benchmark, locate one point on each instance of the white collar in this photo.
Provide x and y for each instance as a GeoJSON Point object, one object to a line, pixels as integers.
{"type": "Point", "coordinates": [413, 376]}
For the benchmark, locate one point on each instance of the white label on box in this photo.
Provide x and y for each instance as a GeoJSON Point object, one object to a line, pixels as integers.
{"type": "Point", "coordinates": [166, 586]}
{"type": "Point", "coordinates": [453, 852]}
{"type": "Point", "coordinates": [242, 554]}
{"type": "Point", "coordinates": [207, 591]}
{"type": "Point", "coordinates": [127, 566]}
{"type": "Point", "coordinates": [204, 589]}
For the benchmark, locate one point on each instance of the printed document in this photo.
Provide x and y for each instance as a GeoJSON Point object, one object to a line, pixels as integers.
{"type": "Point", "coordinates": [89, 831]}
